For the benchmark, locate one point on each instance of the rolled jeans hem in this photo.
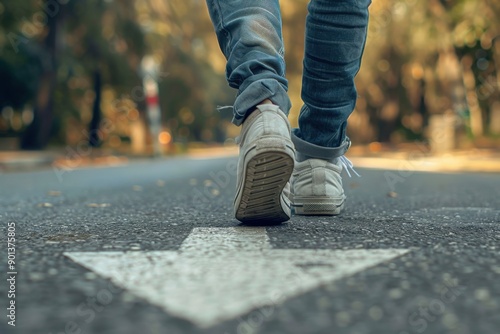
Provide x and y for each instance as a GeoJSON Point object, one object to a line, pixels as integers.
{"type": "Point", "coordinates": [257, 92]}
{"type": "Point", "coordinates": [308, 150]}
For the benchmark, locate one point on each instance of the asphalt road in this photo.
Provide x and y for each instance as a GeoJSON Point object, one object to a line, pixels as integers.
{"type": "Point", "coordinates": [447, 280]}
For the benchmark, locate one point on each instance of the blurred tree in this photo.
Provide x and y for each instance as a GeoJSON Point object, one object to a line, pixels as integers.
{"type": "Point", "coordinates": [182, 38]}
{"type": "Point", "coordinates": [20, 64]}
{"type": "Point", "coordinates": [421, 59]}
{"type": "Point", "coordinates": [95, 39]}
{"type": "Point", "coordinates": [108, 50]}
{"type": "Point", "coordinates": [31, 38]}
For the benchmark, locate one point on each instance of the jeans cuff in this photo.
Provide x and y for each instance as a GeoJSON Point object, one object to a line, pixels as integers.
{"type": "Point", "coordinates": [257, 92]}
{"type": "Point", "coordinates": [306, 150]}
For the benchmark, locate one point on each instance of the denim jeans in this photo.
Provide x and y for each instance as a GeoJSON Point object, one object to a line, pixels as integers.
{"type": "Point", "coordinates": [250, 36]}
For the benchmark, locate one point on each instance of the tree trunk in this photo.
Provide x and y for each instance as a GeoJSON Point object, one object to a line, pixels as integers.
{"type": "Point", "coordinates": [476, 115]}
{"type": "Point", "coordinates": [496, 59]}
{"type": "Point", "coordinates": [94, 139]}
{"type": "Point", "coordinates": [388, 119]}
{"type": "Point", "coordinates": [37, 134]}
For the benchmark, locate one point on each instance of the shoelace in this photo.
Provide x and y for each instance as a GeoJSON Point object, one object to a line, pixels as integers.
{"type": "Point", "coordinates": [347, 164]}
{"type": "Point", "coordinates": [220, 108]}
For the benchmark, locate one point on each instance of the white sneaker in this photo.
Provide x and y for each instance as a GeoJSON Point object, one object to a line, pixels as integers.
{"type": "Point", "coordinates": [265, 164]}
{"type": "Point", "coordinates": [316, 187]}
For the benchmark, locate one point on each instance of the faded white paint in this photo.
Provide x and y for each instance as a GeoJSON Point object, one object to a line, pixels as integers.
{"type": "Point", "coordinates": [222, 273]}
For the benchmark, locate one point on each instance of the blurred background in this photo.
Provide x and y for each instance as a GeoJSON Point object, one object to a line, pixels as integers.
{"type": "Point", "coordinates": [145, 77]}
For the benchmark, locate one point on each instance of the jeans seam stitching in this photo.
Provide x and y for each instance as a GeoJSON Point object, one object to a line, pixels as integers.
{"type": "Point", "coordinates": [223, 27]}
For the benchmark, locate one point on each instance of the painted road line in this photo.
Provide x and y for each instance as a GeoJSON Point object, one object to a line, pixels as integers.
{"type": "Point", "coordinates": [221, 273]}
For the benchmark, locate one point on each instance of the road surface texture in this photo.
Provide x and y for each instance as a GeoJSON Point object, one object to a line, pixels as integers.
{"type": "Point", "coordinates": [152, 247]}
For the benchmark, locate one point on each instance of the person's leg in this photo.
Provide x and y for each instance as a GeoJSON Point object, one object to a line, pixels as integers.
{"type": "Point", "coordinates": [335, 39]}
{"type": "Point", "coordinates": [334, 43]}
{"type": "Point", "coordinates": [249, 34]}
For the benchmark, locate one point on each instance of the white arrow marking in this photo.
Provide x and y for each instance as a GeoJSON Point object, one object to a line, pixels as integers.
{"type": "Point", "coordinates": [222, 273]}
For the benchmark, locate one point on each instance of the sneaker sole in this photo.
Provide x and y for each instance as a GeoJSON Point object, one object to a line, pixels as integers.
{"type": "Point", "coordinates": [318, 206]}
{"type": "Point", "coordinates": [266, 172]}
